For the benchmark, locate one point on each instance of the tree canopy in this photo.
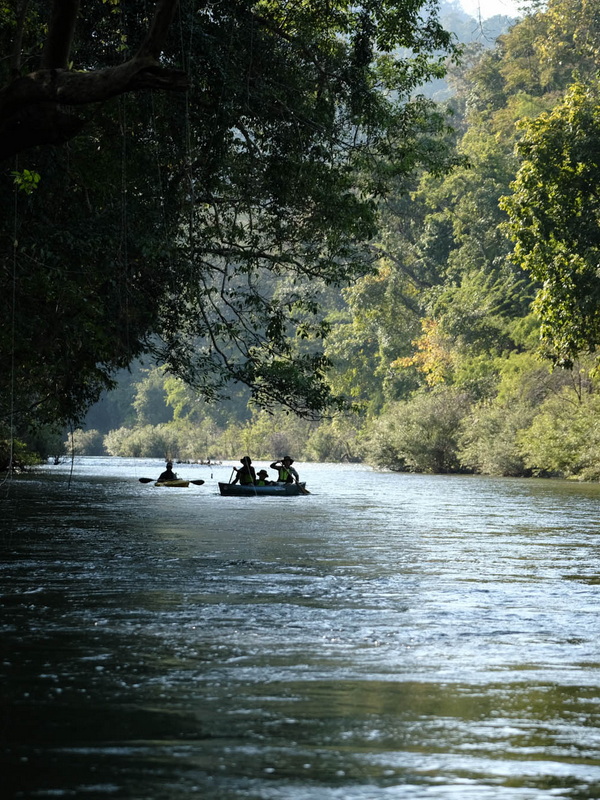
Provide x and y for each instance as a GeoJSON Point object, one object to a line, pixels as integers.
{"type": "Point", "coordinates": [555, 219]}
{"type": "Point", "coordinates": [197, 226]}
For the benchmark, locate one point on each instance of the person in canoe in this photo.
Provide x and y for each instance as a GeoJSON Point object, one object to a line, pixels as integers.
{"type": "Point", "coordinates": [287, 474]}
{"type": "Point", "coordinates": [168, 474]}
{"type": "Point", "coordinates": [262, 478]}
{"type": "Point", "coordinates": [245, 475]}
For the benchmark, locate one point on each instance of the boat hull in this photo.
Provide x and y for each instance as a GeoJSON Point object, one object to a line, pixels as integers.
{"type": "Point", "coordinates": [277, 490]}
{"type": "Point", "coordinates": [177, 484]}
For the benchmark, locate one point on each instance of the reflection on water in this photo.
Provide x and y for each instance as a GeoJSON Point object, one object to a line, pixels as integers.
{"type": "Point", "coordinates": [390, 636]}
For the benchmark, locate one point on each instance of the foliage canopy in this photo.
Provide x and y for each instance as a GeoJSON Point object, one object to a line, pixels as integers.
{"type": "Point", "coordinates": [198, 226]}
{"type": "Point", "coordinates": [555, 219]}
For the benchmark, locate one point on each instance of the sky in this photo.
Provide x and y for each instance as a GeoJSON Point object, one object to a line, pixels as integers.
{"type": "Point", "coordinates": [489, 8]}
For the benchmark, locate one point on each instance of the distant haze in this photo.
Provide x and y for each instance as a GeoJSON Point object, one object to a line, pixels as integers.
{"type": "Point", "coordinates": [489, 8]}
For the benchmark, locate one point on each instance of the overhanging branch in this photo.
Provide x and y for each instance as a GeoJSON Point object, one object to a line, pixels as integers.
{"type": "Point", "coordinates": [35, 109]}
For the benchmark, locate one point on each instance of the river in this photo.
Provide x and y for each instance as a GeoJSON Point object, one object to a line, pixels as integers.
{"type": "Point", "coordinates": [389, 636]}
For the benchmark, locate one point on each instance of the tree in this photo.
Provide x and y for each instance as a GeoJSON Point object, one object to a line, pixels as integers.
{"type": "Point", "coordinates": [554, 215]}
{"type": "Point", "coordinates": [37, 108]}
{"type": "Point", "coordinates": [150, 399]}
{"type": "Point", "coordinates": [572, 45]}
{"type": "Point", "coordinates": [166, 222]}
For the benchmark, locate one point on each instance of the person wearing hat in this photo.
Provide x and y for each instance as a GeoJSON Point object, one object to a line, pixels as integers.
{"type": "Point", "coordinates": [261, 478]}
{"type": "Point", "coordinates": [245, 475]}
{"type": "Point", "coordinates": [168, 474]}
{"type": "Point", "coordinates": [287, 474]}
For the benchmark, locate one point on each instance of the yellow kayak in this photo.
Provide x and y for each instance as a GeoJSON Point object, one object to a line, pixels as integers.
{"type": "Point", "coordinates": [178, 483]}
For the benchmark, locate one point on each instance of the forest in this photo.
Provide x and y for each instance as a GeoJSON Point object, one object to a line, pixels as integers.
{"type": "Point", "coordinates": [347, 232]}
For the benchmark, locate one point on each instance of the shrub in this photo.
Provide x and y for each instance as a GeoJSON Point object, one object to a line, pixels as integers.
{"type": "Point", "coordinates": [197, 442]}
{"type": "Point", "coordinates": [333, 441]}
{"type": "Point", "coordinates": [85, 443]}
{"type": "Point", "coordinates": [22, 456]}
{"type": "Point", "coordinates": [269, 436]}
{"type": "Point", "coordinates": [421, 434]}
{"type": "Point", "coordinates": [562, 440]}
{"type": "Point", "coordinates": [489, 442]}
{"type": "Point", "coordinates": [150, 441]}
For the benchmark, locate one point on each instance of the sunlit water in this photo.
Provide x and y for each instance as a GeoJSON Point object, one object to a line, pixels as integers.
{"type": "Point", "coordinates": [388, 636]}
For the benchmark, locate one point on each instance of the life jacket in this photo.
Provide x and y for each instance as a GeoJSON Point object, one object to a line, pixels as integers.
{"type": "Point", "coordinates": [284, 475]}
{"type": "Point", "coordinates": [261, 482]}
{"type": "Point", "coordinates": [246, 478]}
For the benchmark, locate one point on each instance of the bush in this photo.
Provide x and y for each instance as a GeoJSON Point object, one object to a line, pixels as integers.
{"type": "Point", "coordinates": [563, 438]}
{"type": "Point", "coordinates": [85, 443]}
{"type": "Point", "coordinates": [197, 442]}
{"type": "Point", "coordinates": [421, 434]}
{"type": "Point", "coordinates": [266, 437]}
{"type": "Point", "coordinates": [45, 441]}
{"type": "Point", "coordinates": [333, 441]}
{"type": "Point", "coordinates": [273, 435]}
{"type": "Point", "coordinates": [149, 441]}
{"type": "Point", "coordinates": [489, 440]}
{"type": "Point", "coordinates": [22, 456]}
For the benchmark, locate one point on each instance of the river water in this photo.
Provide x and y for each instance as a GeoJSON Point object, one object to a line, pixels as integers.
{"type": "Point", "coordinates": [388, 636]}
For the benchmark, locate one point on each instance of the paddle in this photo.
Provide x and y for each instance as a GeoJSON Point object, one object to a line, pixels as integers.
{"type": "Point", "coordinates": [303, 490]}
{"type": "Point", "coordinates": [153, 480]}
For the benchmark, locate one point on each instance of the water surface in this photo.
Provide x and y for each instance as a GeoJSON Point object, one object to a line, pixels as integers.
{"type": "Point", "coordinates": [390, 636]}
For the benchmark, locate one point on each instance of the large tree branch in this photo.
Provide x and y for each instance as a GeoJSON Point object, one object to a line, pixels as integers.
{"type": "Point", "coordinates": [35, 109]}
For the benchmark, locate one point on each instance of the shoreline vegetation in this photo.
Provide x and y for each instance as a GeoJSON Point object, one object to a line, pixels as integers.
{"type": "Point", "coordinates": [462, 322]}
{"type": "Point", "coordinates": [554, 432]}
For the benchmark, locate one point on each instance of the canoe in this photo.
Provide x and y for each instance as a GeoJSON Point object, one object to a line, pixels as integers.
{"type": "Point", "coordinates": [179, 484]}
{"type": "Point", "coordinates": [277, 490]}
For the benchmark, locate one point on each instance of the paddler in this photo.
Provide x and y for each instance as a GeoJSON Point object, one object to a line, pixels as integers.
{"type": "Point", "coordinates": [168, 474]}
{"type": "Point", "coordinates": [261, 478]}
{"type": "Point", "coordinates": [287, 474]}
{"type": "Point", "coordinates": [245, 475]}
